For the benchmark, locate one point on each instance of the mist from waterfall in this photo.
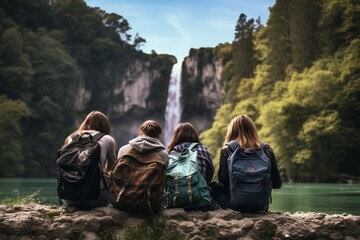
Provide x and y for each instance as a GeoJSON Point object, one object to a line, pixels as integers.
{"type": "Point", "coordinates": [173, 106]}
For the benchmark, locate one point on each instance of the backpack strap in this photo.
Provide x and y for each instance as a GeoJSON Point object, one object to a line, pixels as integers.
{"type": "Point", "coordinates": [192, 145]}
{"type": "Point", "coordinates": [75, 136]}
{"type": "Point", "coordinates": [98, 136]}
{"type": "Point", "coordinates": [263, 146]}
{"type": "Point", "coordinates": [233, 145]}
{"type": "Point", "coordinates": [266, 148]}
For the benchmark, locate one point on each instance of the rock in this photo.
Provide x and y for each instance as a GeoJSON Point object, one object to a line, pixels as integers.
{"type": "Point", "coordinates": [202, 91]}
{"type": "Point", "coordinates": [34, 221]}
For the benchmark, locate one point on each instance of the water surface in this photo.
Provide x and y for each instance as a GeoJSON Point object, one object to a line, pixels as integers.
{"type": "Point", "coordinates": [317, 197]}
{"type": "Point", "coordinates": [305, 197]}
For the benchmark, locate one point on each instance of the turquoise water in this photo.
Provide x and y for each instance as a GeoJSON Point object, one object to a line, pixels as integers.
{"type": "Point", "coordinates": [317, 197]}
{"type": "Point", "coordinates": [20, 187]}
{"type": "Point", "coordinates": [305, 197]}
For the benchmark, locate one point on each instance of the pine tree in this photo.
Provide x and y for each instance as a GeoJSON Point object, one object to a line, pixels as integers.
{"type": "Point", "coordinates": [279, 45]}
{"type": "Point", "coordinates": [304, 18]}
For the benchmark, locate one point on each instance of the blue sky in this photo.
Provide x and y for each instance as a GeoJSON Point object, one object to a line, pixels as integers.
{"type": "Point", "coordinates": [175, 26]}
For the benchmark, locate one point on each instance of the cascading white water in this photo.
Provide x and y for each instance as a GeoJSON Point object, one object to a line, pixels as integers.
{"type": "Point", "coordinates": [173, 106]}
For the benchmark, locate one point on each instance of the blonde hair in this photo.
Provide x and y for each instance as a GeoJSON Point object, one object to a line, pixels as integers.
{"type": "Point", "coordinates": [184, 132]}
{"type": "Point", "coordinates": [242, 129]}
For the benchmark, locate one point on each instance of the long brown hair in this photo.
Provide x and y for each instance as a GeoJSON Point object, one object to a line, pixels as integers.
{"type": "Point", "coordinates": [242, 129]}
{"type": "Point", "coordinates": [184, 132]}
{"type": "Point", "coordinates": [150, 128]}
{"type": "Point", "coordinates": [95, 120]}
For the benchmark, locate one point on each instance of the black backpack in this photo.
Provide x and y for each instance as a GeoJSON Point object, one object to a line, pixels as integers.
{"type": "Point", "coordinates": [79, 168]}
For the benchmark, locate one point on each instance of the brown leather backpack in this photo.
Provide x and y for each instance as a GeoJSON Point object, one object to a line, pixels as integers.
{"type": "Point", "coordinates": [137, 182]}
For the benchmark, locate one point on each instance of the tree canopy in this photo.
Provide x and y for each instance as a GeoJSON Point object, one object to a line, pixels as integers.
{"type": "Point", "coordinates": [304, 91]}
{"type": "Point", "coordinates": [48, 50]}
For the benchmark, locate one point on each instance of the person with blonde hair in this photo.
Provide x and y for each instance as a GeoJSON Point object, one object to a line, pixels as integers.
{"type": "Point", "coordinates": [242, 134]}
{"type": "Point", "coordinates": [96, 126]}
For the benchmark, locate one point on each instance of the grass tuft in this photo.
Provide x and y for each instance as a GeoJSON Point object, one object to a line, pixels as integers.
{"type": "Point", "coordinates": [32, 198]}
{"type": "Point", "coordinates": [52, 213]}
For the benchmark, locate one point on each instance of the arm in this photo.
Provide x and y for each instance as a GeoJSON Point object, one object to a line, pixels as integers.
{"type": "Point", "coordinates": [205, 163]}
{"type": "Point", "coordinates": [108, 158]}
{"type": "Point", "coordinates": [223, 175]}
{"type": "Point", "coordinates": [275, 175]}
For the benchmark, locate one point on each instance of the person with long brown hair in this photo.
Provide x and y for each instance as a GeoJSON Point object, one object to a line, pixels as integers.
{"type": "Point", "coordinates": [94, 123]}
{"type": "Point", "coordinates": [242, 131]}
{"type": "Point", "coordinates": [184, 134]}
{"type": "Point", "coordinates": [185, 140]}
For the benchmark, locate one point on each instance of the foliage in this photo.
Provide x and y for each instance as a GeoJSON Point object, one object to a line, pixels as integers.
{"type": "Point", "coordinates": [304, 95]}
{"type": "Point", "coordinates": [339, 24]}
{"type": "Point", "coordinates": [21, 200]}
{"type": "Point", "coordinates": [52, 213]}
{"type": "Point", "coordinates": [213, 138]}
{"type": "Point", "coordinates": [12, 156]}
{"type": "Point", "coordinates": [15, 68]}
{"type": "Point", "coordinates": [51, 52]}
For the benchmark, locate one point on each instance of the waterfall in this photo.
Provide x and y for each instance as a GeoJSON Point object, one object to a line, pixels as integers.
{"type": "Point", "coordinates": [173, 107]}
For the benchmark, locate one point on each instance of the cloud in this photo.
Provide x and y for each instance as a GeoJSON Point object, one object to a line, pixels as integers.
{"type": "Point", "coordinates": [176, 22]}
{"type": "Point", "coordinates": [174, 27]}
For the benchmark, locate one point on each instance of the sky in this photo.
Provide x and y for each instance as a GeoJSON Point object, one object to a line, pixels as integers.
{"type": "Point", "coordinates": [175, 26]}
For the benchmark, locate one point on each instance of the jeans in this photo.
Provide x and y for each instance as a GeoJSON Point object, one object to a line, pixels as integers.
{"type": "Point", "coordinates": [101, 201]}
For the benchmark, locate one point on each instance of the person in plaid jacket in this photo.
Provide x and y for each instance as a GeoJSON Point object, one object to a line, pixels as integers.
{"type": "Point", "coordinates": [184, 134]}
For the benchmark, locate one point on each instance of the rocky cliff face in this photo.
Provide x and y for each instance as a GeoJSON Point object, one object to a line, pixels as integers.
{"type": "Point", "coordinates": [130, 94]}
{"type": "Point", "coordinates": [137, 90]}
{"type": "Point", "coordinates": [45, 222]}
{"type": "Point", "coordinates": [139, 94]}
{"type": "Point", "coordinates": [202, 92]}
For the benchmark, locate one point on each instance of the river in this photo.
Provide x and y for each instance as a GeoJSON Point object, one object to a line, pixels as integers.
{"type": "Point", "coordinates": [305, 197]}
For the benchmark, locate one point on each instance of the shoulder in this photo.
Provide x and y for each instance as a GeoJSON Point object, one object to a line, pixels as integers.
{"type": "Point", "coordinates": [266, 146]}
{"type": "Point", "coordinates": [202, 151]}
{"type": "Point", "coordinates": [226, 148]}
{"type": "Point", "coordinates": [225, 152]}
{"type": "Point", "coordinates": [107, 139]}
{"type": "Point", "coordinates": [123, 150]}
{"type": "Point", "coordinates": [163, 154]}
{"type": "Point", "coordinates": [201, 147]}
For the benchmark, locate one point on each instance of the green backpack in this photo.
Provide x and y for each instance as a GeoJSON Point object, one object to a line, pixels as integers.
{"type": "Point", "coordinates": [185, 186]}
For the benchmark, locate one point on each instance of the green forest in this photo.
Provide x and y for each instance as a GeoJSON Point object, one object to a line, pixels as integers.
{"type": "Point", "coordinates": [47, 50]}
{"type": "Point", "coordinates": [298, 78]}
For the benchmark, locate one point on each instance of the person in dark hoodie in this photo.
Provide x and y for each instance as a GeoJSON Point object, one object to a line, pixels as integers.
{"type": "Point", "coordinates": [147, 140]}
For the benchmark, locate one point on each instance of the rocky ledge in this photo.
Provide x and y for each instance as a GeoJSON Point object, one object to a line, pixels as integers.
{"type": "Point", "coordinates": [32, 221]}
